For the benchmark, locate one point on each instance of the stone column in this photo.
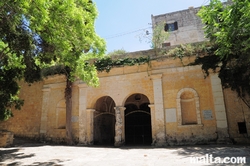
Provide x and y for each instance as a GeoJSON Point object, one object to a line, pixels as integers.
{"type": "Point", "coordinates": [82, 113]}
{"type": "Point", "coordinates": [45, 107]}
{"type": "Point", "coordinates": [90, 126]}
{"type": "Point", "coordinates": [220, 111]}
{"type": "Point", "coordinates": [119, 126]}
{"type": "Point", "coordinates": [152, 111]}
{"type": "Point", "coordinates": [159, 124]}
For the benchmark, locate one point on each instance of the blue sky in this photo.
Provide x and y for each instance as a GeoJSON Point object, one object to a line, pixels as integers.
{"type": "Point", "coordinates": [121, 22]}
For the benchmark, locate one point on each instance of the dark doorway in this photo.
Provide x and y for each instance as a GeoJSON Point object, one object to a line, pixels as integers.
{"type": "Point", "coordinates": [138, 121]}
{"type": "Point", "coordinates": [104, 121]}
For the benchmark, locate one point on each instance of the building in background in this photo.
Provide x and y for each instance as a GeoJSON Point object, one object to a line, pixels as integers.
{"type": "Point", "coordinates": [183, 26]}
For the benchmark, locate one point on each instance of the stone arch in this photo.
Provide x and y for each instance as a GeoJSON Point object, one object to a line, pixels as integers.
{"type": "Point", "coordinates": [91, 101]}
{"type": "Point", "coordinates": [61, 114]}
{"type": "Point", "coordinates": [130, 94]}
{"type": "Point", "coordinates": [138, 129]}
{"type": "Point", "coordinates": [104, 121]}
{"type": "Point", "coordinates": [188, 107]}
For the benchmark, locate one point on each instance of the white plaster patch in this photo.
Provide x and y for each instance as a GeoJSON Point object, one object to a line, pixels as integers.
{"type": "Point", "coordinates": [74, 119]}
{"type": "Point", "coordinates": [170, 115]}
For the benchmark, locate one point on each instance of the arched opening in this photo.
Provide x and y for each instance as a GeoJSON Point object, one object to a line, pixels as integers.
{"type": "Point", "coordinates": [104, 121]}
{"type": "Point", "coordinates": [138, 129]}
{"type": "Point", "coordinates": [188, 108]}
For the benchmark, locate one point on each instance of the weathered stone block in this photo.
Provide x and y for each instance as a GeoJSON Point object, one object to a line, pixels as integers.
{"type": "Point", "coordinates": [222, 124]}
{"type": "Point", "coordinates": [6, 138]}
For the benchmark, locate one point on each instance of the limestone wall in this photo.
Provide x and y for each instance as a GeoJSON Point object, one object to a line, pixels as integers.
{"type": "Point", "coordinates": [166, 84]}
{"type": "Point", "coordinates": [125, 81]}
{"type": "Point", "coordinates": [237, 112]}
{"type": "Point", "coordinates": [53, 123]}
{"type": "Point", "coordinates": [188, 78]}
{"type": "Point", "coordinates": [189, 26]}
{"type": "Point", "coordinates": [6, 138]}
{"type": "Point", "coordinates": [26, 122]}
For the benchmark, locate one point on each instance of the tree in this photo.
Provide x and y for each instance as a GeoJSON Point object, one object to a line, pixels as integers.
{"type": "Point", "coordinates": [156, 38]}
{"type": "Point", "coordinates": [117, 52]}
{"type": "Point", "coordinates": [227, 25]}
{"type": "Point", "coordinates": [33, 34]}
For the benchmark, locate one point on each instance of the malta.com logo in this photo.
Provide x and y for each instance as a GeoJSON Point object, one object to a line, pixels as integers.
{"type": "Point", "coordinates": [210, 159]}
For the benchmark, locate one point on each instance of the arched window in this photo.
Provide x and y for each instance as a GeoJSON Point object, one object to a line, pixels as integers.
{"type": "Point", "coordinates": [188, 107]}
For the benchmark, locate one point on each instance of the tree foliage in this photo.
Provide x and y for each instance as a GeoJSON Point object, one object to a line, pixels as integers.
{"type": "Point", "coordinates": [227, 25]}
{"type": "Point", "coordinates": [117, 52]}
{"type": "Point", "coordinates": [156, 38]}
{"type": "Point", "coordinates": [159, 35]}
{"type": "Point", "coordinates": [33, 34]}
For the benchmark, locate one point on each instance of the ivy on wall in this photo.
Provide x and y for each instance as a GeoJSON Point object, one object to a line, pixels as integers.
{"type": "Point", "coordinates": [103, 64]}
{"type": "Point", "coordinates": [107, 63]}
{"type": "Point", "coordinates": [187, 50]}
{"type": "Point", "coordinates": [208, 61]}
{"type": "Point", "coordinates": [54, 70]}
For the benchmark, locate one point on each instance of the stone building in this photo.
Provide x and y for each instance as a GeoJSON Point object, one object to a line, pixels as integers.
{"type": "Point", "coordinates": [161, 103]}
{"type": "Point", "coordinates": [164, 103]}
{"type": "Point", "coordinates": [183, 26]}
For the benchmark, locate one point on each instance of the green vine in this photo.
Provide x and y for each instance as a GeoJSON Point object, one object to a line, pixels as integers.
{"type": "Point", "coordinates": [187, 50]}
{"type": "Point", "coordinates": [54, 70]}
{"type": "Point", "coordinates": [203, 51]}
{"type": "Point", "coordinates": [207, 62]}
{"type": "Point", "coordinates": [107, 63]}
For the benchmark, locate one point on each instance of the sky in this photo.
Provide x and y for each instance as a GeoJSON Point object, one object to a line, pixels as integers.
{"type": "Point", "coordinates": [123, 22]}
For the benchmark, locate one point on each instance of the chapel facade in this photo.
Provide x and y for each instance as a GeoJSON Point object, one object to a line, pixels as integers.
{"type": "Point", "coordinates": [165, 102]}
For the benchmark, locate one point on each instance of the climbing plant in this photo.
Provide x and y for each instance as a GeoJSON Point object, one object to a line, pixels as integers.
{"type": "Point", "coordinates": [227, 25]}
{"type": "Point", "coordinates": [199, 49]}
{"type": "Point", "coordinates": [107, 63]}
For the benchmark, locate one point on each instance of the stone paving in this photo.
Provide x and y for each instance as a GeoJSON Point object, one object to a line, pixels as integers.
{"type": "Point", "coordinates": [58, 155]}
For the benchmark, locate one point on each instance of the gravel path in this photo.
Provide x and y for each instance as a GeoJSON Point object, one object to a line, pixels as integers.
{"type": "Point", "coordinates": [48, 155]}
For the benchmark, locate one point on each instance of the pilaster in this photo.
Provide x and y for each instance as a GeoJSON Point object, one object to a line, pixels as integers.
{"type": "Point", "coordinates": [159, 123]}
{"type": "Point", "coordinates": [152, 111]}
{"type": "Point", "coordinates": [45, 107]}
{"type": "Point", "coordinates": [90, 126]}
{"type": "Point", "coordinates": [82, 113]}
{"type": "Point", "coordinates": [219, 107]}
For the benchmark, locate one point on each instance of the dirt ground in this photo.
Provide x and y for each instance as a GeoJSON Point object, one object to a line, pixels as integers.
{"type": "Point", "coordinates": [32, 153]}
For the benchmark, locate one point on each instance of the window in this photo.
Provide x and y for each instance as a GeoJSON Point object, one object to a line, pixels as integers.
{"type": "Point", "coordinates": [164, 45]}
{"type": "Point", "coordinates": [188, 107]}
{"type": "Point", "coordinates": [171, 26]}
{"type": "Point", "coordinates": [242, 127]}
